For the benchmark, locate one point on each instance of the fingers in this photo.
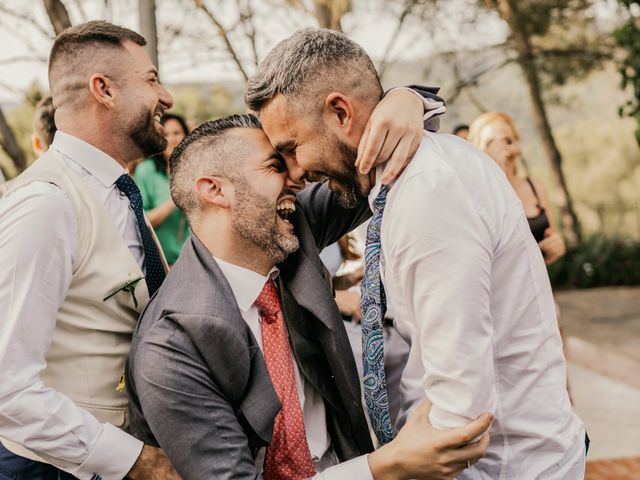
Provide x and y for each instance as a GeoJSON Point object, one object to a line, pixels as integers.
{"type": "Point", "coordinates": [398, 160]}
{"type": "Point", "coordinates": [395, 136]}
{"type": "Point", "coordinates": [371, 153]}
{"type": "Point", "coordinates": [465, 434]}
{"type": "Point", "coordinates": [363, 142]}
{"type": "Point", "coordinates": [471, 452]}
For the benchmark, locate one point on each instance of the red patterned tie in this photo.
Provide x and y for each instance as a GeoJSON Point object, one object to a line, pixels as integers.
{"type": "Point", "coordinates": [288, 456]}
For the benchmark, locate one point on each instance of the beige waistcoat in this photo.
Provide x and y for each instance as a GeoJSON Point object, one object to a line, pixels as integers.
{"type": "Point", "coordinates": [93, 333]}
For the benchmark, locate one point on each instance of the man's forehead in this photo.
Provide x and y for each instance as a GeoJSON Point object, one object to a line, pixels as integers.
{"type": "Point", "coordinates": [279, 124]}
{"type": "Point", "coordinates": [252, 142]}
{"type": "Point", "coordinates": [139, 57]}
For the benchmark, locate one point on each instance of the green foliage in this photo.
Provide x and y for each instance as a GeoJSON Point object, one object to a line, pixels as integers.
{"type": "Point", "coordinates": [628, 38]}
{"type": "Point", "coordinates": [599, 261]}
{"type": "Point", "coordinates": [601, 163]}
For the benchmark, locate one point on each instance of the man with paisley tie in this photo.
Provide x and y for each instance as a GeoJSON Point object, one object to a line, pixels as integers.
{"type": "Point", "coordinates": [449, 246]}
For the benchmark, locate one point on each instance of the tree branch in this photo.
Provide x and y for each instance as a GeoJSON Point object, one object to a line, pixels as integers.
{"type": "Point", "coordinates": [473, 79]}
{"type": "Point", "coordinates": [384, 62]}
{"type": "Point", "coordinates": [58, 15]}
{"type": "Point", "coordinates": [246, 17]}
{"type": "Point", "coordinates": [225, 37]}
{"type": "Point", "coordinates": [27, 18]}
{"type": "Point", "coordinates": [23, 58]}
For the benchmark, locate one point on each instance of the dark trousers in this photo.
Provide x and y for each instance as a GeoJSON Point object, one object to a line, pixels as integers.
{"type": "Point", "coordinates": [14, 467]}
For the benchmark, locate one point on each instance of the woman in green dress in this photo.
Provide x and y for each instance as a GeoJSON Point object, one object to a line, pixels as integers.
{"type": "Point", "coordinates": [152, 178]}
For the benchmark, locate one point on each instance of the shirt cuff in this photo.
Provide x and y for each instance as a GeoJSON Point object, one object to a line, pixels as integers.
{"type": "Point", "coordinates": [112, 456]}
{"type": "Point", "coordinates": [354, 469]}
{"type": "Point", "coordinates": [431, 106]}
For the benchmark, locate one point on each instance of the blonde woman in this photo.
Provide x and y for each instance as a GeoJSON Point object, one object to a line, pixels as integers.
{"type": "Point", "coordinates": [495, 134]}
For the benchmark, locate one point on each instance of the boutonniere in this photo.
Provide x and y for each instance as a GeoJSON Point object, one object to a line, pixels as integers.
{"type": "Point", "coordinates": [129, 287]}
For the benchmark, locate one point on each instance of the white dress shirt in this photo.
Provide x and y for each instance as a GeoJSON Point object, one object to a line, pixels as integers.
{"type": "Point", "coordinates": [246, 286]}
{"type": "Point", "coordinates": [38, 246]}
{"type": "Point", "coordinates": [473, 299]}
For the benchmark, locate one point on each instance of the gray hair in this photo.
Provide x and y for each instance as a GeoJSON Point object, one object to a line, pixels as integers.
{"type": "Point", "coordinates": [206, 151]}
{"type": "Point", "coordinates": [309, 65]}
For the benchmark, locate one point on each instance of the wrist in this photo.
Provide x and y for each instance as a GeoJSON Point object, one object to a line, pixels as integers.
{"type": "Point", "coordinates": [384, 464]}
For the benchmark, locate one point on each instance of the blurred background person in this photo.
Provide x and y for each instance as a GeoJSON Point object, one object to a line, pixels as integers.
{"type": "Point", "coordinates": [152, 178]}
{"type": "Point", "coordinates": [44, 126]}
{"type": "Point", "coordinates": [496, 134]}
{"type": "Point", "coordinates": [461, 130]}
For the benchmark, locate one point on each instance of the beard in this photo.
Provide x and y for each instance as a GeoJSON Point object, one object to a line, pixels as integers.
{"type": "Point", "coordinates": [255, 221]}
{"type": "Point", "coordinates": [144, 135]}
{"type": "Point", "coordinates": [345, 155]}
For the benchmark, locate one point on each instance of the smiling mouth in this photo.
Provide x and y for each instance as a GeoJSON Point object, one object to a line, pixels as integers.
{"type": "Point", "coordinates": [285, 208]}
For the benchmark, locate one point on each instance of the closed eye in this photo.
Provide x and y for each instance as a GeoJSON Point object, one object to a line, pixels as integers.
{"type": "Point", "coordinates": [279, 166]}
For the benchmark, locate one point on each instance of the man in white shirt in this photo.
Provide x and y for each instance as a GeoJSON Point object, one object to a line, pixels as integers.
{"type": "Point", "coordinates": [73, 255]}
{"type": "Point", "coordinates": [240, 366]}
{"type": "Point", "coordinates": [455, 257]}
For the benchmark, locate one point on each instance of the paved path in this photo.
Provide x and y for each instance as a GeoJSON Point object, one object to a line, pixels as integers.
{"type": "Point", "coordinates": [602, 332]}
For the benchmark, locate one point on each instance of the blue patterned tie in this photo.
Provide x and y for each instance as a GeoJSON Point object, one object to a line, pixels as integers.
{"type": "Point", "coordinates": [373, 305]}
{"type": "Point", "coordinates": [153, 264]}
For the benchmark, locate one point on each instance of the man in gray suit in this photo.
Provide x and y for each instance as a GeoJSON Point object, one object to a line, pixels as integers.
{"type": "Point", "coordinates": [201, 376]}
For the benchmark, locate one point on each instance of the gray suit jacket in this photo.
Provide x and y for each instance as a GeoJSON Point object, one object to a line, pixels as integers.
{"type": "Point", "coordinates": [196, 378]}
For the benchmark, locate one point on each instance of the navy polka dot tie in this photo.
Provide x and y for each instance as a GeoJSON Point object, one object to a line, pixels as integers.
{"type": "Point", "coordinates": [153, 264]}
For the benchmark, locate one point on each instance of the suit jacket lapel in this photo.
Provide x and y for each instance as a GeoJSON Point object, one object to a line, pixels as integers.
{"type": "Point", "coordinates": [304, 275]}
{"type": "Point", "coordinates": [255, 399]}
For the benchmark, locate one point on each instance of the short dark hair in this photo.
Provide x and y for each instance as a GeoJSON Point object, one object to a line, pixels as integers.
{"type": "Point", "coordinates": [44, 125]}
{"type": "Point", "coordinates": [158, 158]}
{"type": "Point", "coordinates": [204, 152]}
{"type": "Point", "coordinates": [90, 34]}
{"type": "Point", "coordinates": [77, 50]}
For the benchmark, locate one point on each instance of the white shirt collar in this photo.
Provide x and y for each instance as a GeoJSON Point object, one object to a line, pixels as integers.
{"type": "Point", "coordinates": [100, 165]}
{"type": "Point", "coordinates": [245, 284]}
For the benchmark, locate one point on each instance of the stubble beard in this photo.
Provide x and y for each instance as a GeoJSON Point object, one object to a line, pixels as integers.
{"type": "Point", "coordinates": [350, 193]}
{"type": "Point", "coordinates": [145, 136]}
{"type": "Point", "coordinates": [254, 221]}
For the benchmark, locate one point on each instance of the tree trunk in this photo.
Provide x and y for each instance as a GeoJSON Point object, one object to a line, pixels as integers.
{"type": "Point", "coordinates": [58, 15]}
{"type": "Point", "coordinates": [10, 145]}
{"type": "Point", "coordinates": [508, 10]}
{"type": "Point", "coordinates": [147, 20]}
{"type": "Point", "coordinates": [329, 13]}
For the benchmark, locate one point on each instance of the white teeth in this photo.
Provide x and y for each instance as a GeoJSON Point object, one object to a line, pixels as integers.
{"type": "Point", "coordinates": [286, 205]}
{"type": "Point", "coordinates": [157, 117]}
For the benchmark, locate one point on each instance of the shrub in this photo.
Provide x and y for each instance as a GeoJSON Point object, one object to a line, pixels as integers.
{"type": "Point", "coordinates": [598, 261]}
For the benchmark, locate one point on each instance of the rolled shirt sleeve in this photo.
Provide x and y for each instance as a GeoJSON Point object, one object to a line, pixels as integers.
{"type": "Point", "coordinates": [438, 252]}
{"type": "Point", "coordinates": [37, 247]}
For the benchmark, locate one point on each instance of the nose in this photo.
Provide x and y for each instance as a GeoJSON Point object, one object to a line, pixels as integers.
{"type": "Point", "coordinates": [165, 97]}
{"type": "Point", "coordinates": [296, 173]}
{"type": "Point", "coordinates": [294, 186]}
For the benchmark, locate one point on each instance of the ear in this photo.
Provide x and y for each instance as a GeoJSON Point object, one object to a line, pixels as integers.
{"type": "Point", "coordinates": [103, 89]}
{"type": "Point", "coordinates": [339, 112]}
{"type": "Point", "coordinates": [213, 191]}
{"type": "Point", "coordinates": [36, 145]}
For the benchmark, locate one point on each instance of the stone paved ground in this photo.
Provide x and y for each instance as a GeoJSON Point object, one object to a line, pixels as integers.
{"type": "Point", "coordinates": [602, 332]}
